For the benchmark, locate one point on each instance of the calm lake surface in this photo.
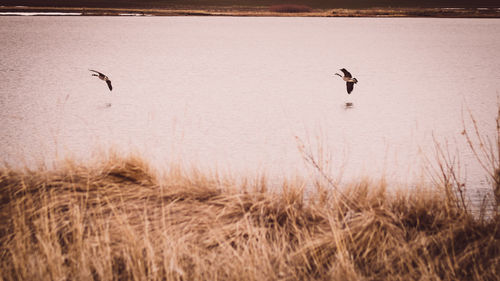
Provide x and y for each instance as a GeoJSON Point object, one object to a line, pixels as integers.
{"type": "Point", "coordinates": [232, 94]}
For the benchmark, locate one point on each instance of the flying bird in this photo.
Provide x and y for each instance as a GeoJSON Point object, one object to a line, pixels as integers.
{"type": "Point", "coordinates": [103, 78]}
{"type": "Point", "coordinates": [348, 79]}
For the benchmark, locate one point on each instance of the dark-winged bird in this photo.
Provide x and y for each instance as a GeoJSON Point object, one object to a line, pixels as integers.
{"type": "Point", "coordinates": [103, 78]}
{"type": "Point", "coordinates": [348, 79]}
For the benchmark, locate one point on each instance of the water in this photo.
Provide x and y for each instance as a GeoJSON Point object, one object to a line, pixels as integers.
{"type": "Point", "coordinates": [233, 94]}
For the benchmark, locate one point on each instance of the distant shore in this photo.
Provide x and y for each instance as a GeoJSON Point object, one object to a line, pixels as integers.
{"type": "Point", "coordinates": [263, 11]}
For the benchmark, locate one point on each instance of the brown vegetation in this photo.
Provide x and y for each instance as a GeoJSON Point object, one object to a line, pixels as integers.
{"type": "Point", "coordinates": [117, 221]}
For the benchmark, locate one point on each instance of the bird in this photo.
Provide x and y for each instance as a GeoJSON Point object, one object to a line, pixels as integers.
{"type": "Point", "coordinates": [103, 78]}
{"type": "Point", "coordinates": [350, 81]}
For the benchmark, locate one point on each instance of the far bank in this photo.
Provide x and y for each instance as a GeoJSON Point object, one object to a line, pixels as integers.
{"type": "Point", "coordinates": [257, 11]}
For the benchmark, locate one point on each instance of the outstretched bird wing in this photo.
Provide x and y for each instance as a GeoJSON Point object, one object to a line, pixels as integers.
{"type": "Point", "coordinates": [346, 73]}
{"type": "Point", "coordinates": [350, 87]}
{"type": "Point", "coordinates": [96, 72]}
{"type": "Point", "coordinates": [109, 85]}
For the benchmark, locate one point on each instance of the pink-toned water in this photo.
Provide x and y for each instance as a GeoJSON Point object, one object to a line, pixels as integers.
{"type": "Point", "coordinates": [233, 94]}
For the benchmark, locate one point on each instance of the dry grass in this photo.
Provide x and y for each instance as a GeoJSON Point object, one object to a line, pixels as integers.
{"type": "Point", "coordinates": [116, 221]}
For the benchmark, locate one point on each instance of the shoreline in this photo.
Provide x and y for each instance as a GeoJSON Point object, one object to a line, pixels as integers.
{"type": "Point", "coordinates": [253, 12]}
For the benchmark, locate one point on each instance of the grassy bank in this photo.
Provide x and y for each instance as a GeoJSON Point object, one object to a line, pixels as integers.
{"type": "Point", "coordinates": [115, 220]}
{"type": "Point", "coordinates": [266, 11]}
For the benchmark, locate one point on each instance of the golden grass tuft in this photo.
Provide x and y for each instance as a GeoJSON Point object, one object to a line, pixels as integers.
{"type": "Point", "coordinates": [115, 220]}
